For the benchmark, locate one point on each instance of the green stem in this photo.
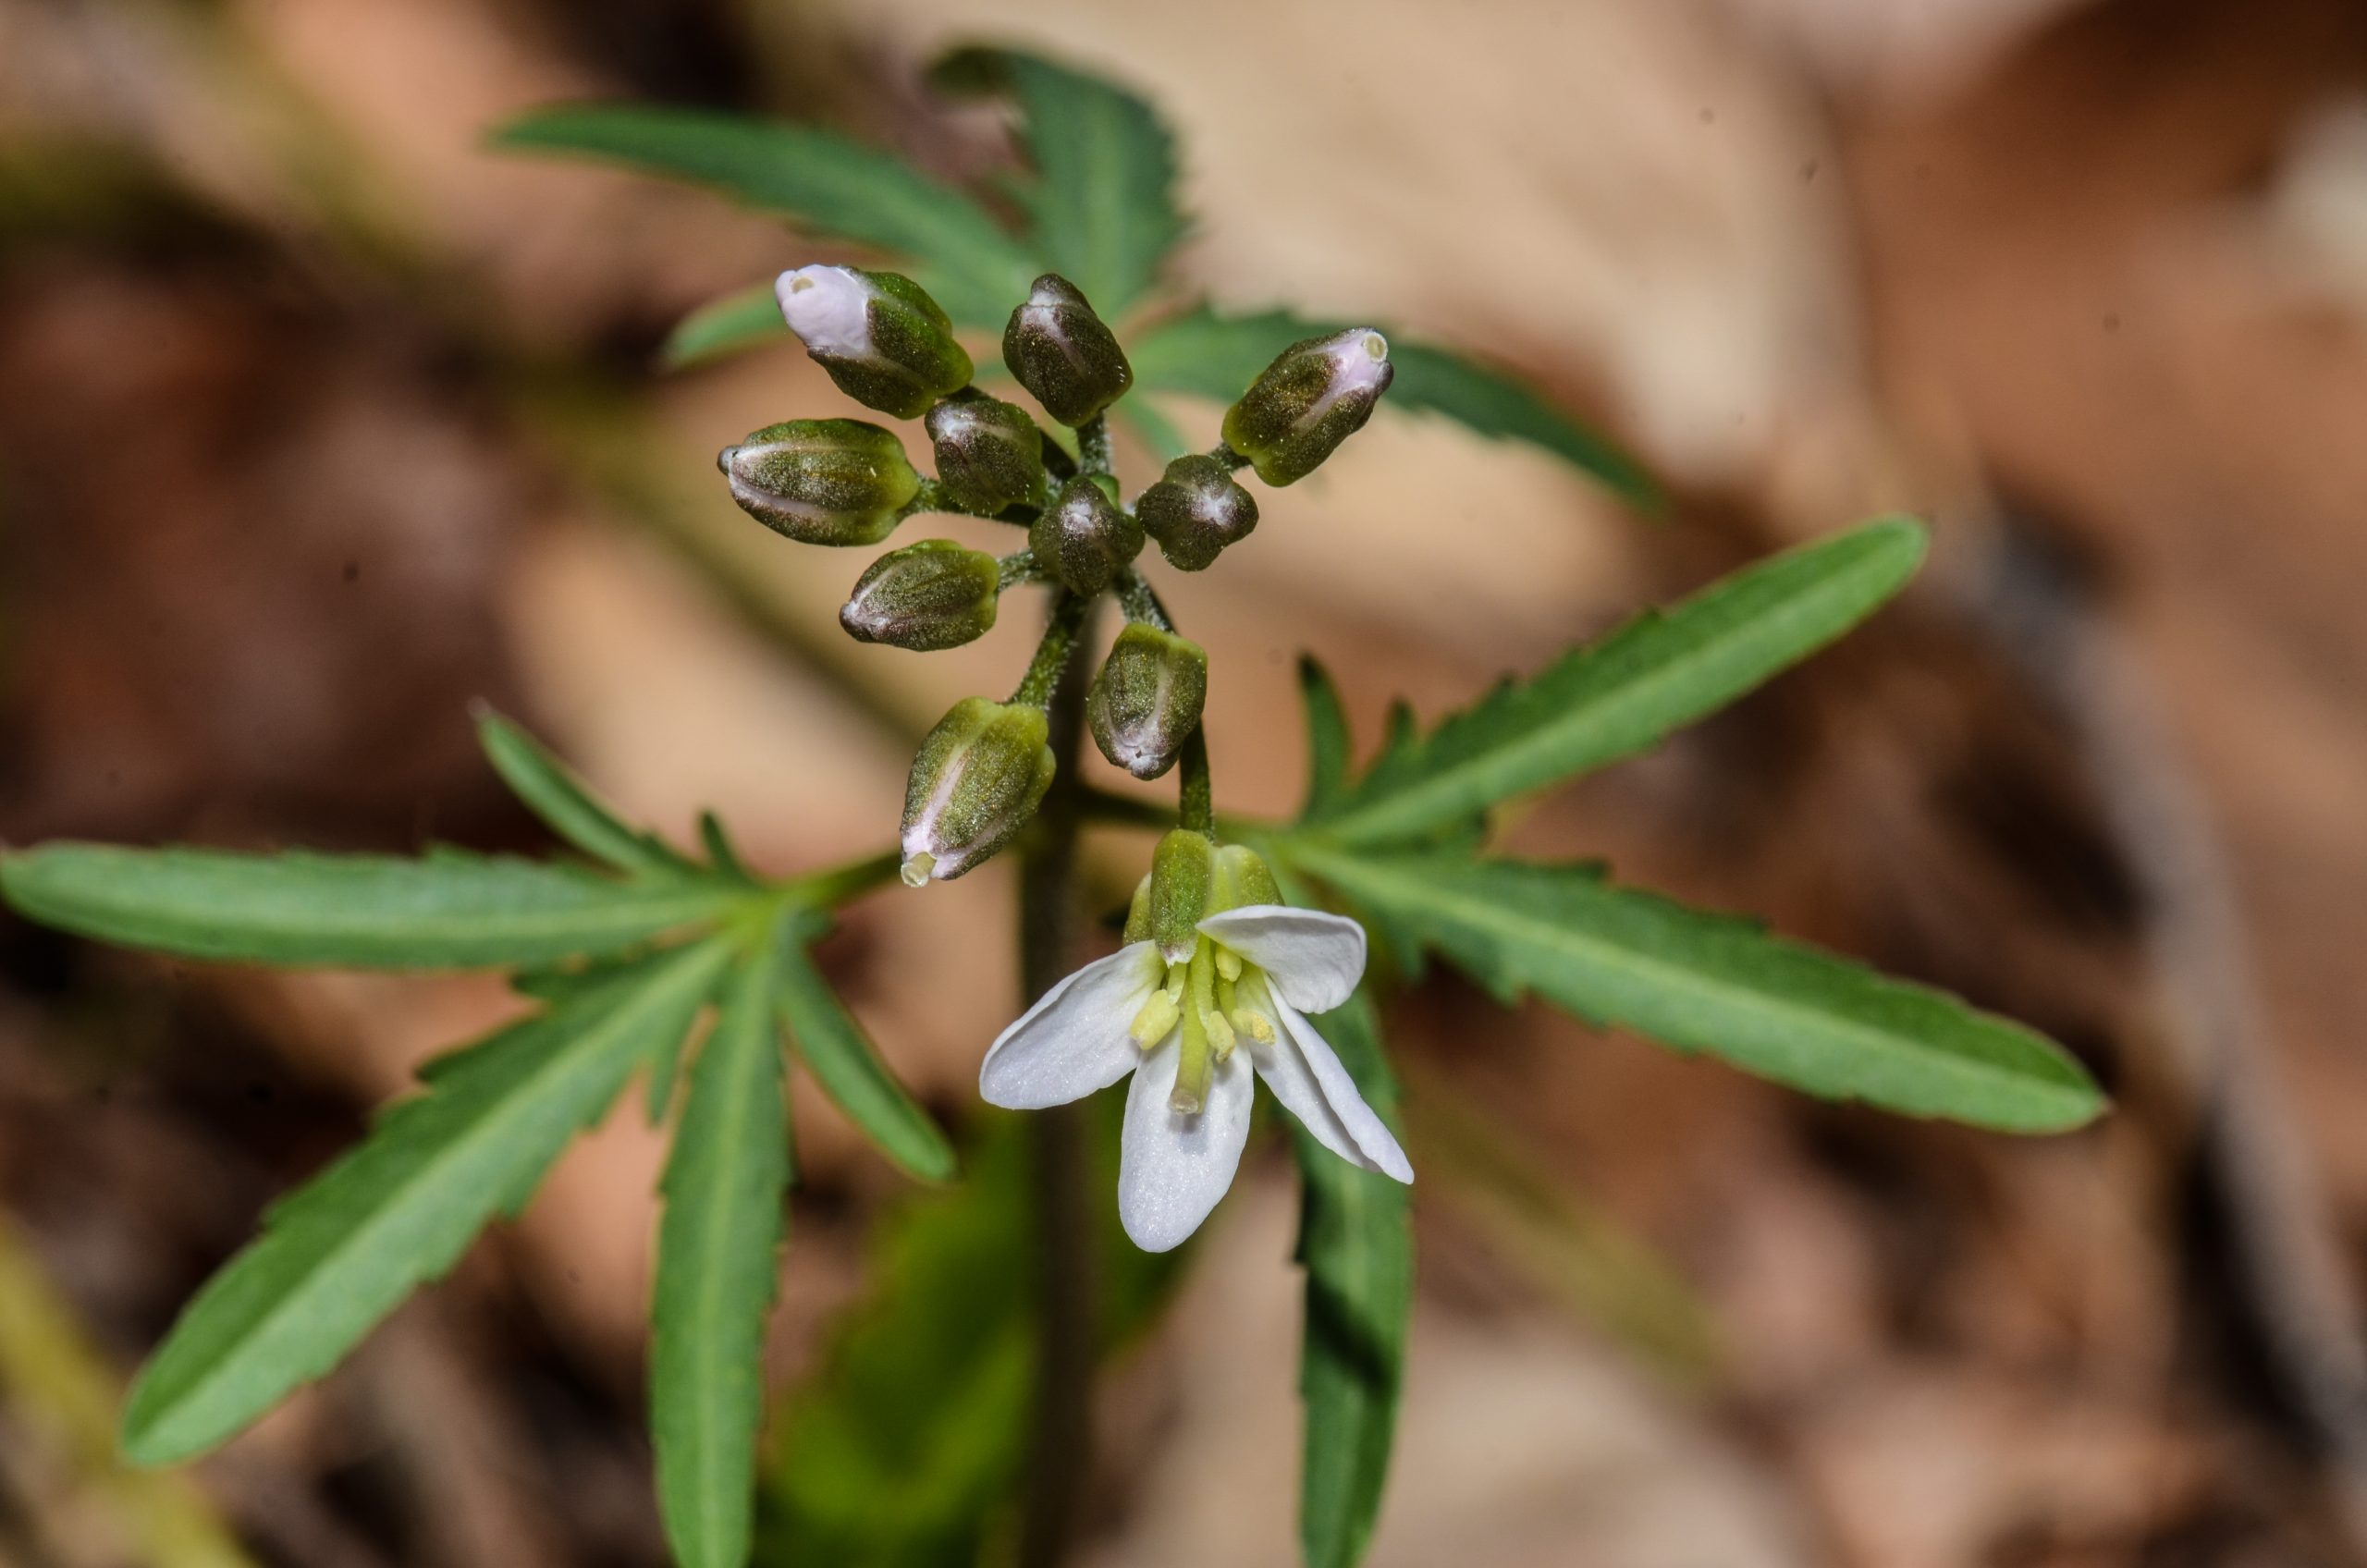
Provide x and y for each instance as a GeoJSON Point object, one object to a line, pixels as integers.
{"type": "Point", "coordinates": [1017, 567]}
{"type": "Point", "coordinates": [1093, 444]}
{"type": "Point", "coordinates": [1196, 796]}
{"type": "Point", "coordinates": [1061, 634]}
{"type": "Point", "coordinates": [1141, 601]}
{"type": "Point", "coordinates": [1050, 916]}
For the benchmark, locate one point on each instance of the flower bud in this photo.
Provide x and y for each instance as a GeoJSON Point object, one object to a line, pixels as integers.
{"type": "Point", "coordinates": [822, 481]}
{"type": "Point", "coordinates": [1196, 511]}
{"type": "Point", "coordinates": [1315, 395]}
{"type": "Point", "coordinates": [1083, 539]}
{"type": "Point", "coordinates": [934, 595]}
{"type": "Point", "coordinates": [1063, 354]}
{"type": "Point", "coordinates": [878, 333]}
{"type": "Point", "coordinates": [979, 776]}
{"type": "Point", "coordinates": [1182, 871]}
{"type": "Point", "coordinates": [989, 454]}
{"type": "Point", "coordinates": [1243, 878]}
{"type": "Point", "coordinates": [1146, 698]}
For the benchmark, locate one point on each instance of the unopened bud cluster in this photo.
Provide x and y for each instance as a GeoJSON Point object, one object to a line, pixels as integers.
{"type": "Point", "coordinates": [982, 772]}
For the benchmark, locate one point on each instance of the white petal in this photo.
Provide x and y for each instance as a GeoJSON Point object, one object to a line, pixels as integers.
{"type": "Point", "coordinates": [1072, 1041]}
{"type": "Point", "coordinates": [1314, 959]}
{"type": "Point", "coordinates": [1307, 1076]}
{"type": "Point", "coordinates": [1172, 1169]}
{"type": "Point", "coordinates": [828, 308]}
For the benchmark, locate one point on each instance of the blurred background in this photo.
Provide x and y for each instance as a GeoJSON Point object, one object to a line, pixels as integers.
{"type": "Point", "coordinates": [318, 421]}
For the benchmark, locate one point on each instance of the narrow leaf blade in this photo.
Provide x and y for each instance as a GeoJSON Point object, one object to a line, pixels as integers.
{"type": "Point", "coordinates": [718, 1268]}
{"type": "Point", "coordinates": [842, 1060]}
{"type": "Point", "coordinates": [1356, 1243]}
{"type": "Point", "coordinates": [341, 1252]}
{"type": "Point", "coordinates": [828, 184]}
{"type": "Point", "coordinates": [1327, 737]}
{"type": "Point", "coordinates": [566, 805]}
{"type": "Point", "coordinates": [1617, 697]}
{"type": "Point", "coordinates": [1105, 201]}
{"type": "Point", "coordinates": [746, 318]}
{"type": "Point", "coordinates": [1216, 355]}
{"type": "Point", "coordinates": [446, 909]}
{"type": "Point", "coordinates": [1711, 983]}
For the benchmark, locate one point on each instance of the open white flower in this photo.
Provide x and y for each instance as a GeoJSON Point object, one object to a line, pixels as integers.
{"type": "Point", "coordinates": [1192, 1030]}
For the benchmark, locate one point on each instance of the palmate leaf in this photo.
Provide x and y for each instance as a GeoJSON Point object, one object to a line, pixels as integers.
{"type": "Point", "coordinates": [400, 1208]}
{"type": "Point", "coordinates": [552, 792]}
{"type": "Point", "coordinates": [1215, 355]}
{"type": "Point", "coordinates": [717, 1267]}
{"type": "Point", "coordinates": [829, 184]}
{"type": "Point", "coordinates": [1613, 699]}
{"type": "Point", "coordinates": [1104, 199]}
{"type": "Point", "coordinates": [447, 910]}
{"type": "Point", "coordinates": [1713, 982]}
{"type": "Point", "coordinates": [1356, 1245]}
{"type": "Point", "coordinates": [841, 1059]}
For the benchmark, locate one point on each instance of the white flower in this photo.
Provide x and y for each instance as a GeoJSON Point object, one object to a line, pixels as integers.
{"type": "Point", "coordinates": [828, 308]}
{"type": "Point", "coordinates": [1191, 1032]}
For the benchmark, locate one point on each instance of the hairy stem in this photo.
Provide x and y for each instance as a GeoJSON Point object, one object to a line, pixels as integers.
{"type": "Point", "coordinates": [1141, 601]}
{"type": "Point", "coordinates": [1050, 915]}
{"type": "Point", "coordinates": [1196, 804]}
{"type": "Point", "coordinates": [1054, 654]}
{"type": "Point", "coordinates": [1093, 445]}
{"type": "Point", "coordinates": [1015, 568]}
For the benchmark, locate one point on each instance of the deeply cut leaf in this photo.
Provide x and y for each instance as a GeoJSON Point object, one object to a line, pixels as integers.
{"type": "Point", "coordinates": [1614, 698]}
{"type": "Point", "coordinates": [842, 1060]}
{"type": "Point", "coordinates": [1215, 355]}
{"type": "Point", "coordinates": [553, 792]}
{"type": "Point", "coordinates": [446, 909]}
{"type": "Point", "coordinates": [1715, 983]}
{"type": "Point", "coordinates": [1104, 202]}
{"type": "Point", "coordinates": [976, 269]}
{"type": "Point", "coordinates": [1356, 1245]}
{"type": "Point", "coordinates": [341, 1252]}
{"type": "Point", "coordinates": [717, 1267]}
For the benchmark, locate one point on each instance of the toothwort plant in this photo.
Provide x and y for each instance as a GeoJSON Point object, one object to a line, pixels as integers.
{"type": "Point", "coordinates": [1244, 952]}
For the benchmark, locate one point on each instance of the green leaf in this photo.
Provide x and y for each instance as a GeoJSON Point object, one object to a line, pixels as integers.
{"type": "Point", "coordinates": [566, 805]}
{"type": "Point", "coordinates": [400, 1208]}
{"type": "Point", "coordinates": [1355, 1242]}
{"type": "Point", "coordinates": [1105, 204]}
{"type": "Point", "coordinates": [1214, 355]}
{"type": "Point", "coordinates": [842, 1060]}
{"type": "Point", "coordinates": [717, 1267]}
{"type": "Point", "coordinates": [448, 909]}
{"type": "Point", "coordinates": [1327, 737]}
{"type": "Point", "coordinates": [746, 318]}
{"type": "Point", "coordinates": [829, 184]}
{"type": "Point", "coordinates": [1716, 984]}
{"type": "Point", "coordinates": [1614, 698]}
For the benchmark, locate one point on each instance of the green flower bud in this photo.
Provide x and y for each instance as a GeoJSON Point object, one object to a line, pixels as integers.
{"type": "Point", "coordinates": [878, 333]}
{"type": "Point", "coordinates": [1182, 873]}
{"type": "Point", "coordinates": [979, 778]}
{"type": "Point", "coordinates": [1196, 511]}
{"type": "Point", "coordinates": [822, 481]}
{"type": "Point", "coordinates": [1243, 878]}
{"type": "Point", "coordinates": [1315, 395]}
{"type": "Point", "coordinates": [934, 595]}
{"type": "Point", "coordinates": [1082, 538]}
{"type": "Point", "coordinates": [1063, 354]}
{"type": "Point", "coordinates": [1146, 698]}
{"type": "Point", "coordinates": [989, 454]}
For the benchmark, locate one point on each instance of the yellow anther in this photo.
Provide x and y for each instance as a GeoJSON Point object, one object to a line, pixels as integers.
{"type": "Point", "coordinates": [1256, 1024]}
{"type": "Point", "coordinates": [1227, 964]}
{"type": "Point", "coordinates": [1219, 1033]}
{"type": "Point", "coordinates": [1158, 1017]}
